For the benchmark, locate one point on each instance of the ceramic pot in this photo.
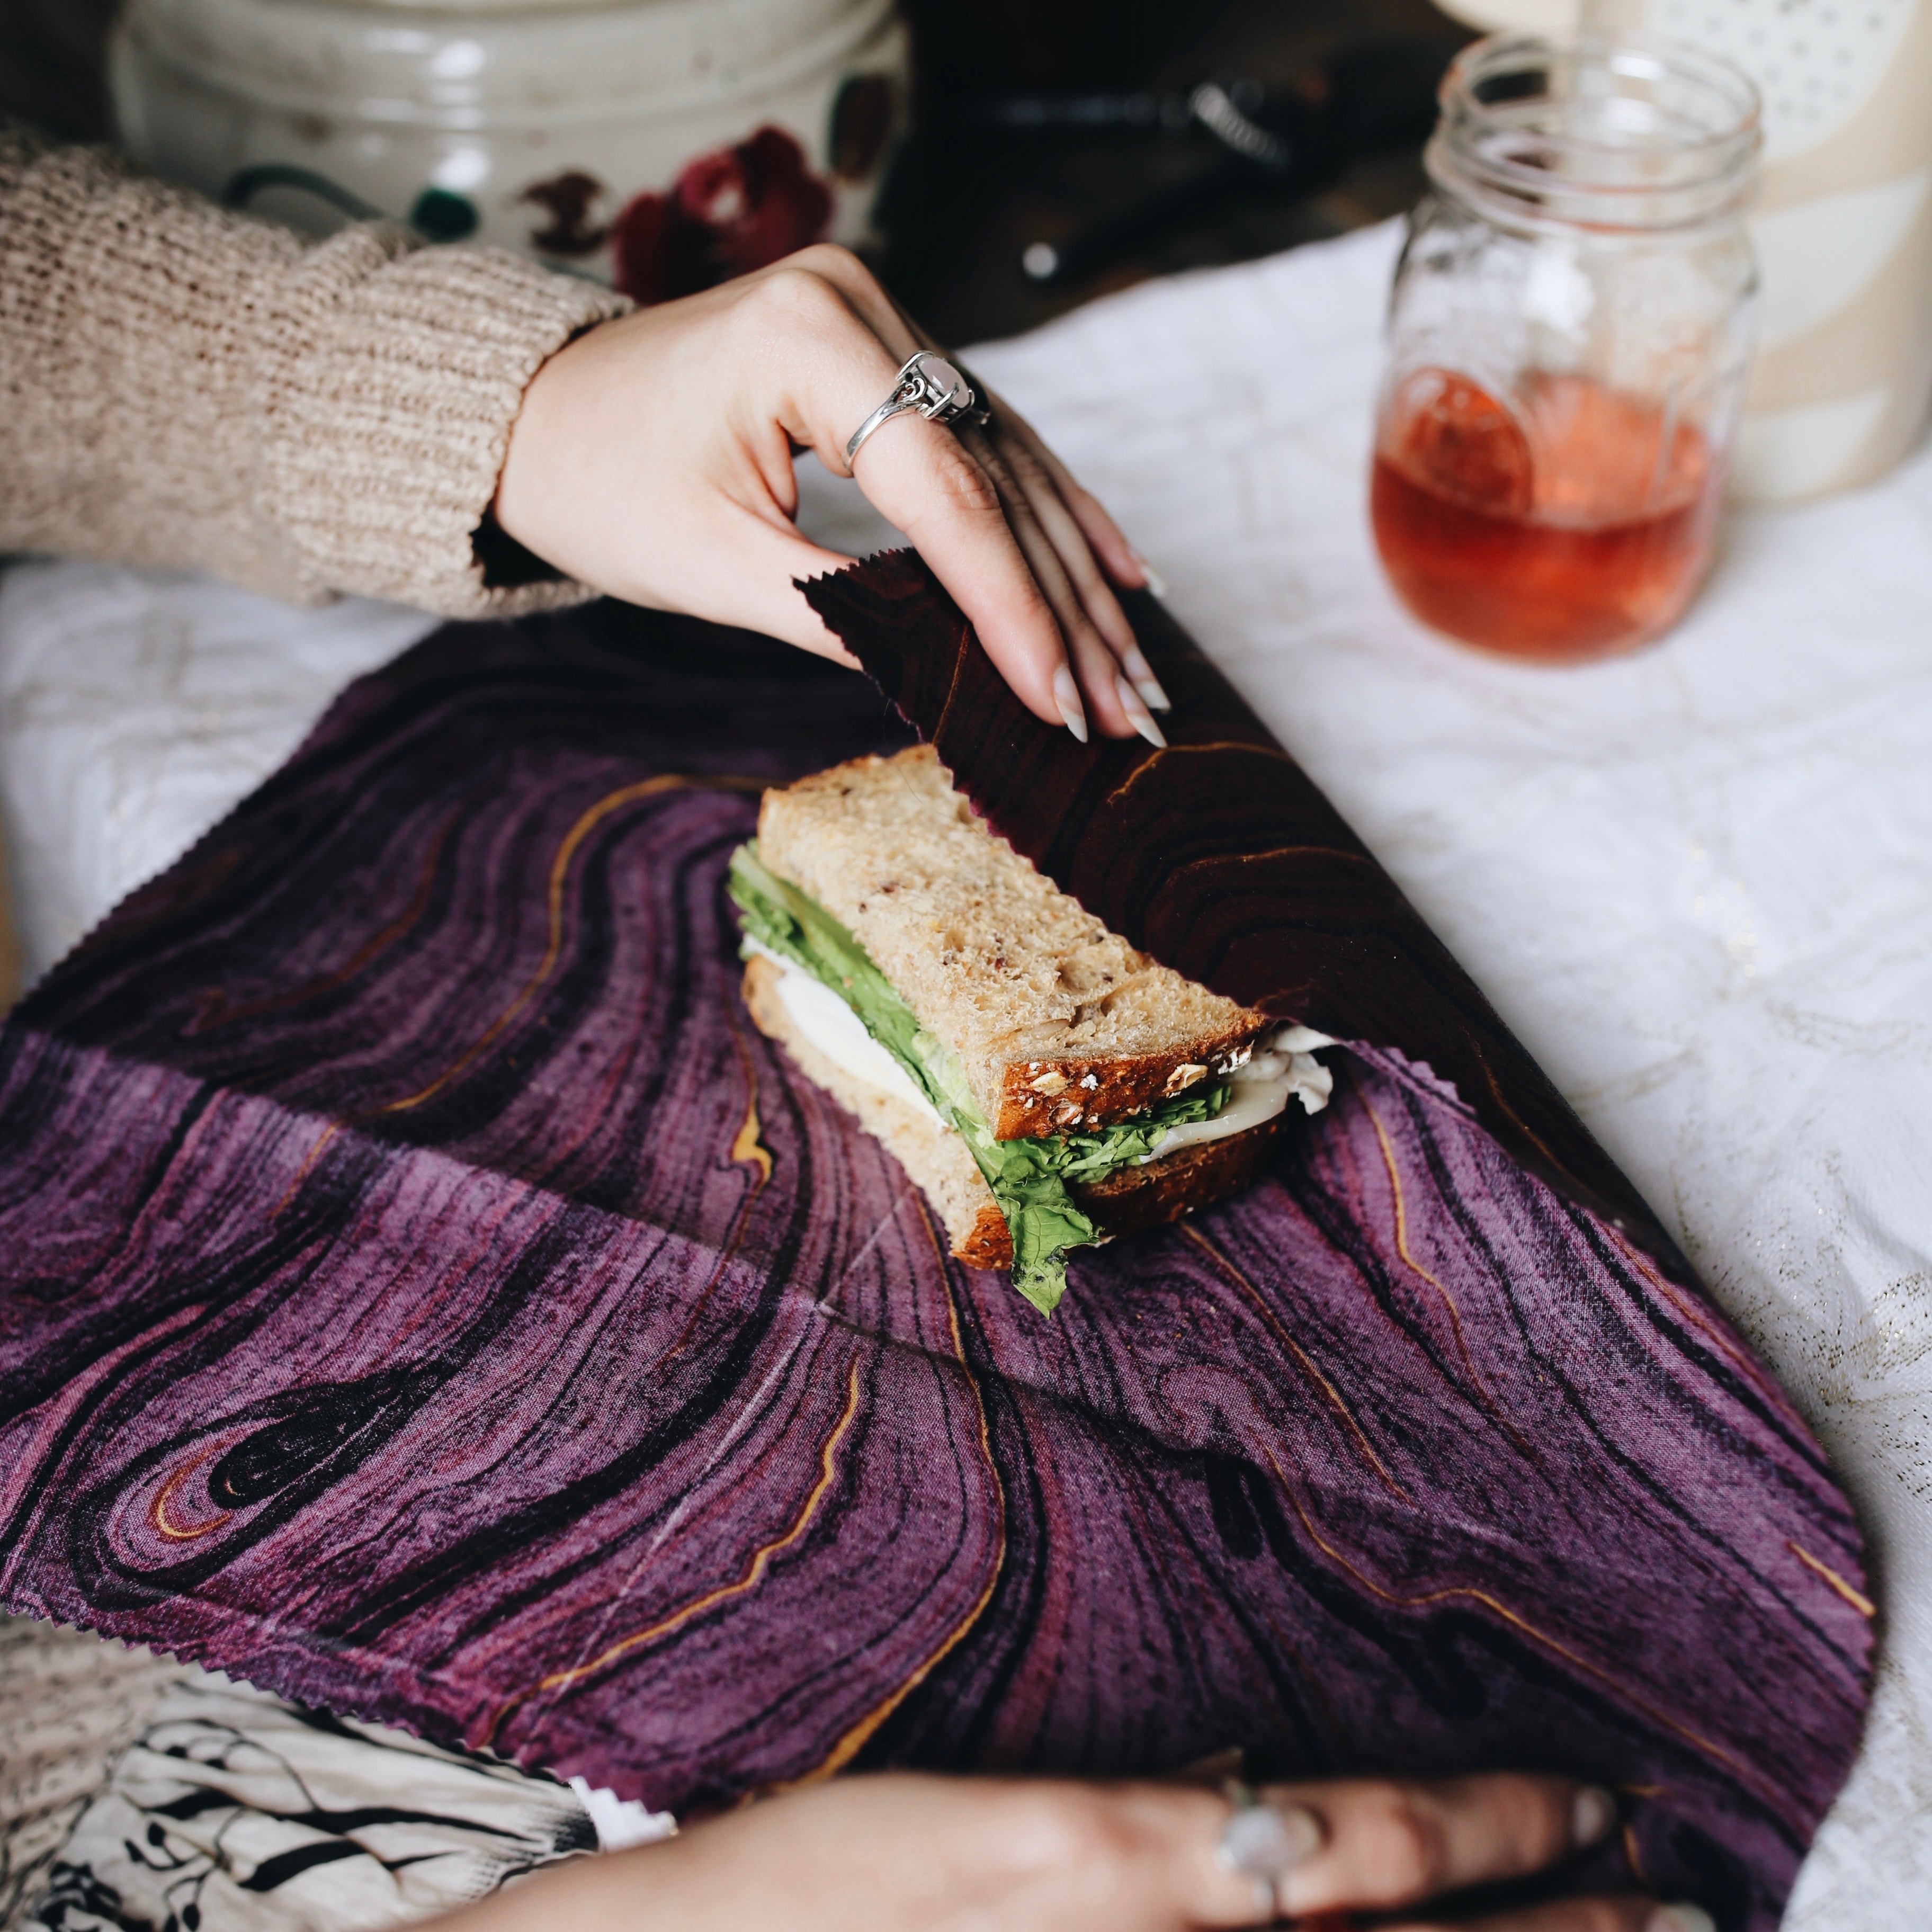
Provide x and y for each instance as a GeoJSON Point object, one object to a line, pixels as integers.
{"type": "Point", "coordinates": [663, 144]}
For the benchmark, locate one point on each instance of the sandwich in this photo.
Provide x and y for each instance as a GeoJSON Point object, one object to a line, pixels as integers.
{"type": "Point", "coordinates": [1047, 1086]}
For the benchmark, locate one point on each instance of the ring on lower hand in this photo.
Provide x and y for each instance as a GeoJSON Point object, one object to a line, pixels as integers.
{"type": "Point", "coordinates": [928, 385]}
{"type": "Point", "coordinates": [1266, 1841]}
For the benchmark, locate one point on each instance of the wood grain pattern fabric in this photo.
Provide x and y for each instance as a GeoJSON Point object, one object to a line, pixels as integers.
{"type": "Point", "coordinates": [1217, 856]}
{"type": "Point", "coordinates": [424, 1293]}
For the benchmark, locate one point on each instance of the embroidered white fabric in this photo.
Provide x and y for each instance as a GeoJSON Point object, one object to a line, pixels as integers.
{"type": "Point", "coordinates": [1693, 880]}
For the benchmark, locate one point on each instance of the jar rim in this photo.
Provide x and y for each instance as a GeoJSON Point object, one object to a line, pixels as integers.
{"type": "Point", "coordinates": [1606, 131]}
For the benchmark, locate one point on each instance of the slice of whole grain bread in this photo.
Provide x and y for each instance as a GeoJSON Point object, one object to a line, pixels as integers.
{"type": "Point", "coordinates": [1058, 1022]}
{"type": "Point", "coordinates": [933, 1157]}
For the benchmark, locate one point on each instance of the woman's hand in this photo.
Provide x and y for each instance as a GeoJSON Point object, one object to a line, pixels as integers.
{"type": "Point", "coordinates": [652, 459]}
{"type": "Point", "coordinates": [918, 1854]}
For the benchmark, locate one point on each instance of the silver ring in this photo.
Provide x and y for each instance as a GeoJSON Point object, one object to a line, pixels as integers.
{"type": "Point", "coordinates": [1265, 1842]}
{"type": "Point", "coordinates": [936, 387]}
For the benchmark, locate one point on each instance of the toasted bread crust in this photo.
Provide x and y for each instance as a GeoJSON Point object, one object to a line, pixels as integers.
{"type": "Point", "coordinates": [1133, 1198]}
{"type": "Point", "coordinates": [1041, 1097]}
{"type": "Point", "coordinates": [937, 1161]}
{"type": "Point", "coordinates": [988, 1243]}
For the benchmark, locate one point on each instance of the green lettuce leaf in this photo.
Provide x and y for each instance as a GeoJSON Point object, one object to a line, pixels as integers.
{"type": "Point", "coordinates": [1028, 1177]}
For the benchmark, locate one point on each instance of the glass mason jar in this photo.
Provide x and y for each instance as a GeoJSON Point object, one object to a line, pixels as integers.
{"type": "Point", "coordinates": [1568, 338]}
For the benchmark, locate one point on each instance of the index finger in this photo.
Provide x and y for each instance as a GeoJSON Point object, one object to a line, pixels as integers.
{"type": "Point", "coordinates": [921, 478]}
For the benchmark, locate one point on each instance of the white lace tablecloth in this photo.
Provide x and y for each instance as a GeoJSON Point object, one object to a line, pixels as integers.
{"type": "Point", "coordinates": [1697, 882]}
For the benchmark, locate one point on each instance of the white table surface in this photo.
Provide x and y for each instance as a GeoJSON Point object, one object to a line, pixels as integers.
{"type": "Point", "coordinates": [1697, 882]}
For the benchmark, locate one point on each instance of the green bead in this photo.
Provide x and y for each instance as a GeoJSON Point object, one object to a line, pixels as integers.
{"type": "Point", "coordinates": [441, 216]}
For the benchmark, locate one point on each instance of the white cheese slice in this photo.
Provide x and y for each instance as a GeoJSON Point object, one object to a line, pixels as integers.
{"type": "Point", "coordinates": [838, 1033]}
{"type": "Point", "coordinates": [1282, 1063]}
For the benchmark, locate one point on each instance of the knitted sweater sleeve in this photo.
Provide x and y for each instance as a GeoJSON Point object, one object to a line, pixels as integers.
{"type": "Point", "coordinates": [180, 386]}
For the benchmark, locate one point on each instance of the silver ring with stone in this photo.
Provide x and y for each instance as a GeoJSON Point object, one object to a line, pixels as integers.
{"type": "Point", "coordinates": [1265, 1842]}
{"type": "Point", "coordinates": [928, 385]}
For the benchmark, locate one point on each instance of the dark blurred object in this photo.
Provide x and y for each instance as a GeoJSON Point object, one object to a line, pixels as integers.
{"type": "Point", "coordinates": [1363, 102]}
{"type": "Point", "coordinates": [52, 58]}
{"type": "Point", "coordinates": [978, 46]}
{"type": "Point", "coordinates": [1074, 131]}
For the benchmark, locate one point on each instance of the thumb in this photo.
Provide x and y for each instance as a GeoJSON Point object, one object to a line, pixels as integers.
{"type": "Point", "coordinates": [764, 562]}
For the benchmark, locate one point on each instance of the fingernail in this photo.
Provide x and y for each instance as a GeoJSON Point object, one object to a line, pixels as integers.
{"type": "Point", "coordinates": [1066, 695]}
{"type": "Point", "coordinates": [1592, 1815]}
{"type": "Point", "coordinates": [1681, 1918]}
{"type": "Point", "coordinates": [1155, 582]}
{"type": "Point", "coordinates": [1146, 683]}
{"type": "Point", "coordinates": [1139, 715]}
{"type": "Point", "coordinates": [1270, 1839]}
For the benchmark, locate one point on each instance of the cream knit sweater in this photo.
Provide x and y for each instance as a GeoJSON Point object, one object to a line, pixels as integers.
{"type": "Point", "coordinates": [185, 386]}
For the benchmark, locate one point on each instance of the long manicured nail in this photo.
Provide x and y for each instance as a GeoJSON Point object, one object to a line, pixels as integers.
{"type": "Point", "coordinates": [1592, 1815]}
{"type": "Point", "coordinates": [1681, 1918]}
{"type": "Point", "coordinates": [1066, 695]}
{"type": "Point", "coordinates": [1145, 682]}
{"type": "Point", "coordinates": [1154, 580]}
{"type": "Point", "coordinates": [1139, 715]}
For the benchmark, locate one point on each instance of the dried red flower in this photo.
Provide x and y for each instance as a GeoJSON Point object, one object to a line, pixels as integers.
{"type": "Point", "coordinates": [729, 212]}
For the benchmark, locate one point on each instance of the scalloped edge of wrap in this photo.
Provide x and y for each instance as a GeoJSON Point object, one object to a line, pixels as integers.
{"type": "Point", "coordinates": [1220, 858]}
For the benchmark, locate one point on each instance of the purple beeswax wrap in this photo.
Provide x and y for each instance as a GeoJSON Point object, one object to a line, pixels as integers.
{"type": "Point", "coordinates": [424, 1294]}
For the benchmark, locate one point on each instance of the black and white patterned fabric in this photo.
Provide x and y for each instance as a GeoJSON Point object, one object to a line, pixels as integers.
{"type": "Point", "coordinates": [235, 1812]}
{"type": "Point", "coordinates": [69, 1705]}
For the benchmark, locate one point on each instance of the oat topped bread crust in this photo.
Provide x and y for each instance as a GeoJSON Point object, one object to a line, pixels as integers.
{"type": "Point", "coordinates": [1059, 1023]}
